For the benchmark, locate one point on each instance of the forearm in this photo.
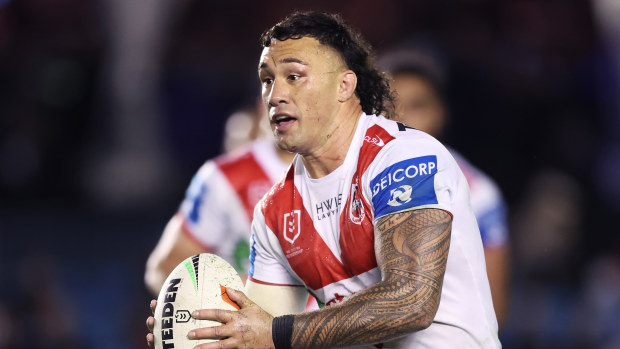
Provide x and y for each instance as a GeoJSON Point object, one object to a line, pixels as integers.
{"type": "Point", "coordinates": [387, 310]}
{"type": "Point", "coordinates": [498, 271]}
{"type": "Point", "coordinates": [277, 300]}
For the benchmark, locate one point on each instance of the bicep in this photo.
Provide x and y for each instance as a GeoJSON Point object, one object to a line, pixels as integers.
{"type": "Point", "coordinates": [277, 299]}
{"type": "Point", "coordinates": [412, 249]}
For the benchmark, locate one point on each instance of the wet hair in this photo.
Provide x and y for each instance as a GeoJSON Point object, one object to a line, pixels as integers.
{"type": "Point", "coordinates": [373, 89]}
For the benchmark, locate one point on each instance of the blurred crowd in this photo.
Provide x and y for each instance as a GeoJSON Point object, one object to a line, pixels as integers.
{"type": "Point", "coordinates": [107, 108]}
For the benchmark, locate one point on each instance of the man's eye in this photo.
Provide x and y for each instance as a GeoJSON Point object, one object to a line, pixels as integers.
{"type": "Point", "coordinates": [293, 77]}
{"type": "Point", "coordinates": [267, 81]}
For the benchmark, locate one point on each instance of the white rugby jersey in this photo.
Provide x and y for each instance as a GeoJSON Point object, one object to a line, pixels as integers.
{"type": "Point", "coordinates": [318, 233]}
{"type": "Point", "coordinates": [219, 203]}
{"type": "Point", "coordinates": [487, 203]}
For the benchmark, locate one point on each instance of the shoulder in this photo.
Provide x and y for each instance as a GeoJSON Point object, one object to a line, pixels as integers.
{"type": "Point", "coordinates": [391, 141]}
{"type": "Point", "coordinates": [399, 134]}
{"type": "Point", "coordinates": [218, 169]}
{"type": "Point", "coordinates": [258, 162]}
{"type": "Point", "coordinates": [412, 170]}
{"type": "Point", "coordinates": [221, 175]}
{"type": "Point", "coordinates": [282, 189]}
{"type": "Point", "coordinates": [403, 142]}
{"type": "Point", "coordinates": [235, 159]}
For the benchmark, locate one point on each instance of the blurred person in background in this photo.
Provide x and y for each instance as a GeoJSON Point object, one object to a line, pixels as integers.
{"type": "Point", "coordinates": [216, 214]}
{"type": "Point", "coordinates": [419, 81]}
{"type": "Point", "coordinates": [547, 229]}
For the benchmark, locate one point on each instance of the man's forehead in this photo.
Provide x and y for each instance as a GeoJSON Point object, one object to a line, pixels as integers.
{"type": "Point", "coordinates": [306, 50]}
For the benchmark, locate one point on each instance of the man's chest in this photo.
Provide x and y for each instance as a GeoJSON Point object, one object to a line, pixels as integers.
{"type": "Point", "coordinates": [327, 234]}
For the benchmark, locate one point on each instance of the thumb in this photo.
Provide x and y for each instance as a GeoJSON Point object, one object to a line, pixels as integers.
{"type": "Point", "coordinates": [239, 298]}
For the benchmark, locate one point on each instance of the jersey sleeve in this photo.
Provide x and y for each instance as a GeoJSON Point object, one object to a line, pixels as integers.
{"type": "Point", "coordinates": [267, 262]}
{"type": "Point", "coordinates": [204, 208]}
{"type": "Point", "coordinates": [412, 174]}
{"type": "Point", "coordinates": [491, 213]}
{"type": "Point", "coordinates": [487, 203]}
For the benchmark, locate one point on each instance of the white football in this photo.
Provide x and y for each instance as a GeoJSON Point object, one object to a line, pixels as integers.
{"type": "Point", "coordinates": [196, 283]}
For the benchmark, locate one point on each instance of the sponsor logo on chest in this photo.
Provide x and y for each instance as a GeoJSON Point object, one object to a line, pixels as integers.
{"type": "Point", "coordinates": [328, 208]}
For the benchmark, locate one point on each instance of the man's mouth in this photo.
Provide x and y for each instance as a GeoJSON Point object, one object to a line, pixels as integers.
{"type": "Point", "coordinates": [283, 121]}
{"type": "Point", "coordinates": [278, 119]}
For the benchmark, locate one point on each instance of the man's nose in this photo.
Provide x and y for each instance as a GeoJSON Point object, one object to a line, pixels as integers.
{"type": "Point", "coordinates": [279, 93]}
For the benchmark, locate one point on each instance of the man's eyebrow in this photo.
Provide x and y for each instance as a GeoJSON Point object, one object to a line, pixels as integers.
{"type": "Point", "coordinates": [293, 60]}
{"type": "Point", "coordinates": [263, 65]}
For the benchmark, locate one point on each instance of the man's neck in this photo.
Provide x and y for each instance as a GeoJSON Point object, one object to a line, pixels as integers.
{"type": "Point", "coordinates": [285, 156]}
{"type": "Point", "coordinates": [332, 154]}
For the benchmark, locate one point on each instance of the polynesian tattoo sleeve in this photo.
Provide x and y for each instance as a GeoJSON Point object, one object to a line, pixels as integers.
{"type": "Point", "coordinates": [412, 250]}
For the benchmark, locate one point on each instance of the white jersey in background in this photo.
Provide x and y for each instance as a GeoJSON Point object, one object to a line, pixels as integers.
{"type": "Point", "coordinates": [487, 203]}
{"type": "Point", "coordinates": [219, 203]}
{"type": "Point", "coordinates": [318, 233]}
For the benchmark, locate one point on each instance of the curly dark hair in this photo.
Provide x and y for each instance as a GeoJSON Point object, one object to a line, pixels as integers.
{"type": "Point", "coordinates": [373, 88]}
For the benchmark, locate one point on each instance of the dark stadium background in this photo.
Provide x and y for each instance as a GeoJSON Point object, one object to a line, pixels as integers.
{"type": "Point", "coordinates": [107, 107]}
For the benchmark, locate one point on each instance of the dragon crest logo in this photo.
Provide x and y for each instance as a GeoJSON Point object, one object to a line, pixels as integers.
{"type": "Point", "coordinates": [356, 211]}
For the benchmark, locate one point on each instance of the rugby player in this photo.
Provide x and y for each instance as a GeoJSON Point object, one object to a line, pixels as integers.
{"type": "Point", "coordinates": [398, 261]}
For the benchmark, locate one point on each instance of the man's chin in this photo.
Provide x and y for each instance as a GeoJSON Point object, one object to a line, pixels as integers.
{"type": "Point", "coordinates": [283, 145]}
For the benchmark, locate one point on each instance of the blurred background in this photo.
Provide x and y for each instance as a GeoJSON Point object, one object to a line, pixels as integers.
{"type": "Point", "coordinates": [108, 107]}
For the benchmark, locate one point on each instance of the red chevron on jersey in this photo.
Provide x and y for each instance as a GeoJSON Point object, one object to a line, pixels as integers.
{"type": "Point", "coordinates": [303, 247]}
{"type": "Point", "coordinates": [357, 232]}
{"type": "Point", "coordinates": [357, 240]}
{"type": "Point", "coordinates": [247, 177]}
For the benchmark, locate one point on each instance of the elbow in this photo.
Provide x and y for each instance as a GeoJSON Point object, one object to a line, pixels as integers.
{"type": "Point", "coordinates": [423, 317]}
{"type": "Point", "coordinates": [425, 322]}
{"type": "Point", "coordinates": [149, 282]}
{"type": "Point", "coordinates": [430, 310]}
{"type": "Point", "coordinates": [153, 276]}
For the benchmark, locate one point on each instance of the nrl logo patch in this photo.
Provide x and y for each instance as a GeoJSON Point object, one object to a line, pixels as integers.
{"type": "Point", "coordinates": [292, 225]}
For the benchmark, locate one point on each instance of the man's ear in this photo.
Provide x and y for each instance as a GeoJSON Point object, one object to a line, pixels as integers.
{"type": "Point", "coordinates": [348, 83]}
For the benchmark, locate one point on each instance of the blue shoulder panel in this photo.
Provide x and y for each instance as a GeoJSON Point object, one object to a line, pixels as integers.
{"type": "Point", "coordinates": [404, 185]}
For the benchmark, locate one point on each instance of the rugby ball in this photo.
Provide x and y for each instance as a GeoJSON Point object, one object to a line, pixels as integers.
{"type": "Point", "coordinates": [199, 282]}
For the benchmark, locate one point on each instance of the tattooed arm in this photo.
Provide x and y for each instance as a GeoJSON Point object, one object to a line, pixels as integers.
{"type": "Point", "coordinates": [411, 249]}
